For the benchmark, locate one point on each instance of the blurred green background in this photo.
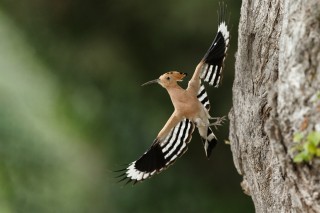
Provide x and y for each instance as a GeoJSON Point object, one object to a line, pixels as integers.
{"type": "Point", "coordinates": [72, 108]}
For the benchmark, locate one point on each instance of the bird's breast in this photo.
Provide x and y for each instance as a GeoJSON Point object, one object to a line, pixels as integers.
{"type": "Point", "coordinates": [187, 106]}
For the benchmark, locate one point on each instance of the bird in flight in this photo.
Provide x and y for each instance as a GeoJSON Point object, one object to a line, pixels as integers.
{"type": "Point", "coordinates": [191, 110]}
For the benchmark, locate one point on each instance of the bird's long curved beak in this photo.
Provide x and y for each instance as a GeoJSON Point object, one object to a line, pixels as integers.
{"type": "Point", "coordinates": [156, 81]}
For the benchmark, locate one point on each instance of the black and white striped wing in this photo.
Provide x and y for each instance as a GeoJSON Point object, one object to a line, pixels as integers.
{"type": "Point", "coordinates": [203, 98]}
{"type": "Point", "coordinates": [161, 154]}
{"type": "Point", "coordinates": [214, 58]}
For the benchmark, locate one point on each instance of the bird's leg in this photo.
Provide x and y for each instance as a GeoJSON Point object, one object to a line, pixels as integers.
{"type": "Point", "coordinates": [218, 121]}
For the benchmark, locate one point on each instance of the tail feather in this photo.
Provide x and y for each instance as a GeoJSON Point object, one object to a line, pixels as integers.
{"type": "Point", "coordinates": [209, 142]}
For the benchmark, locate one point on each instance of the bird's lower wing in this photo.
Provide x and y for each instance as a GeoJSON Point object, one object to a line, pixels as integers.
{"type": "Point", "coordinates": [161, 154]}
{"type": "Point", "coordinates": [214, 57]}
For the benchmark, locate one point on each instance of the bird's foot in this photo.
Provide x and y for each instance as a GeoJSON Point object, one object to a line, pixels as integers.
{"type": "Point", "coordinates": [218, 121]}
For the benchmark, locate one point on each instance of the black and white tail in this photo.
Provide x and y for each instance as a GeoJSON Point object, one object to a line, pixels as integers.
{"type": "Point", "coordinates": [214, 58]}
{"type": "Point", "coordinates": [161, 154]}
{"type": "Point", "coordinates": [209, 142]}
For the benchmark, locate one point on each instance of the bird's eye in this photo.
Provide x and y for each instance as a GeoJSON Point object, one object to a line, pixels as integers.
{"type": "Point", "coordinates": [168, 78]}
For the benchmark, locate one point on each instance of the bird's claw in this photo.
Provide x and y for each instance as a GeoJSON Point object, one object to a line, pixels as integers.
{"type": "Point", "coordinates": [219, 121]}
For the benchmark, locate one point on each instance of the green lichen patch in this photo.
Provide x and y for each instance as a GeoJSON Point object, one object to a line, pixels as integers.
{"type": "Point", "coordinates": [307, 146]}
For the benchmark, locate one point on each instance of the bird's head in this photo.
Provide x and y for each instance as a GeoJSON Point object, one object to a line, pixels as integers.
{"type": "Point", "coordinates": [168, 79]}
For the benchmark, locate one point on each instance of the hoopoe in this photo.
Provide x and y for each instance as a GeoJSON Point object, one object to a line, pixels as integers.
{"type": "Point", "coordinates": [191, 110]}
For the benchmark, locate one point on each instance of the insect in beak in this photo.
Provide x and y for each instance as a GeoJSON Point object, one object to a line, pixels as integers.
{"type": "Point", "coordinates": [151, 82]}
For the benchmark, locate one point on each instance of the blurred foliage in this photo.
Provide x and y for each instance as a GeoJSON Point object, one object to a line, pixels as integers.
{"type": "Point", "coordinates": [306, 147]}
{"type": "Point", "coordinates": [72, 109]}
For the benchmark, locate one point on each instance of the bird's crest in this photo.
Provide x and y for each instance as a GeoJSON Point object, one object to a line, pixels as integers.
{"type": "Point", "coordinates": [173, 75]}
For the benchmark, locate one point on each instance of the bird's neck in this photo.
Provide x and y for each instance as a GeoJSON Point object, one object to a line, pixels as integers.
{"type": "Point", "coordinates": [173, 89]}
{"type": "Point", "coordinates": [175, 92]}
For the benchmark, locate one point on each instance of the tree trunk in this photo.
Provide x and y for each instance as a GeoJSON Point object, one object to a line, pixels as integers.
{"type": "Point", "coordinates": [277, 79]}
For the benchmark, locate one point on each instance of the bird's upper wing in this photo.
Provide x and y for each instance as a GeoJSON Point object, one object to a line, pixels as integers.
{"type": "Point", "coordinates": [161, 154]}
{"type": "Point", "coordinates": [203, 98]}
{"type": "Point", "coordinates": [214, 57]}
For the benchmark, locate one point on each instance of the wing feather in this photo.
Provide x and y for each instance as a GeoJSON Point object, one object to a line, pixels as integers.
{"type": "Point", "coordinates": [215, 56]}
{"type": "Point", "coordinates": [203, 97]}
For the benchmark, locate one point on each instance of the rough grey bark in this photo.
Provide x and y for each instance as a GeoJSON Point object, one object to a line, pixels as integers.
{"type": "Point", "coordinates": [277, 76]}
